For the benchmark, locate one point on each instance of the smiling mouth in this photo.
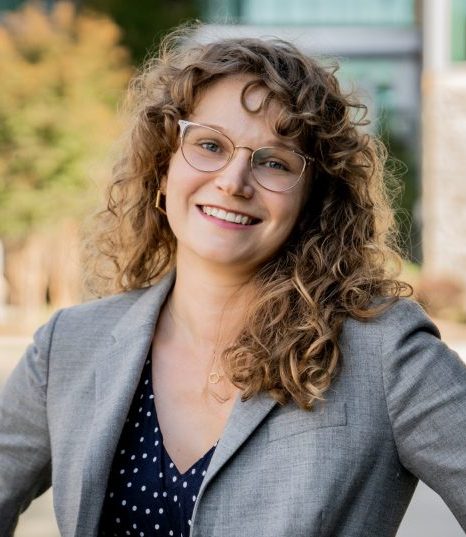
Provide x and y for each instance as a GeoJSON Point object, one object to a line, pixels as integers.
{"type": "Point", "coordinates": [228, 216]}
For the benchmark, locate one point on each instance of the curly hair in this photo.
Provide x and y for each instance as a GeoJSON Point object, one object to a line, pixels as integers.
{"type": "Point", "coordinates": [341, 259]}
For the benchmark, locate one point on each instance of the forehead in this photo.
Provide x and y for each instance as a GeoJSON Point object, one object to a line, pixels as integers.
{"type": "Point", "coordinates": [235, 106]}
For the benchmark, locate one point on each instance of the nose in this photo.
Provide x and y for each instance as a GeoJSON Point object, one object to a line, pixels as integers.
{"type": "Point", "coordinates": [235, 179]}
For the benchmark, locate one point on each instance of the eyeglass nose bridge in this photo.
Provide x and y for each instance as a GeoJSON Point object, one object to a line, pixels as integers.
{"type": "Point", "coordinates": [251, 156]}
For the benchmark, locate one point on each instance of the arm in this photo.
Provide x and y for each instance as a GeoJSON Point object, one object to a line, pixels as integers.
{"type": "Point", "coordinates": [425, 386]}
{"type": "Point", "coordinates": [25, 468]}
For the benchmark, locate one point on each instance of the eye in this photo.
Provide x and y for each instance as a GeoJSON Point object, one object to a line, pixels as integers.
{"type": "Point", "coordinates": [210, 145]}
{"type": "Point", "coordinates": [274, 165]}
{"type": "Point", "coordinates": [206, 143]}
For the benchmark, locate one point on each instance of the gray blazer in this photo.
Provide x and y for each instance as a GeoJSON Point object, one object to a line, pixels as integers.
{"type": "Point", "coordinates": [396, 413]}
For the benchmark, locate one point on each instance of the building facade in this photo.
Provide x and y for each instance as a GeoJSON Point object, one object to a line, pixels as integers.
{"type": "Point", "coordinates": [444, 140]}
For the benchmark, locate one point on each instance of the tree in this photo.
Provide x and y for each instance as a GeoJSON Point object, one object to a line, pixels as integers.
{"type": "Point", "coordinates": [62, 76]}
{"type": "Point", "coordinates": [144, 23]}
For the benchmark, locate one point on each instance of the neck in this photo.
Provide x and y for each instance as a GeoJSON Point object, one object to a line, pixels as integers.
{"type": "Point", "coordinates": [209, 302]}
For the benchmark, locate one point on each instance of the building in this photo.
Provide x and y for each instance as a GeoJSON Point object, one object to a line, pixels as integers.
{"type": "Point", "coordinates": [444, 139]}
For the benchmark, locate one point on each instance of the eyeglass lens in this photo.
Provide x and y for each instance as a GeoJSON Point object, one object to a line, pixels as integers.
{"type": "Point", "coordinates": [208, 150]}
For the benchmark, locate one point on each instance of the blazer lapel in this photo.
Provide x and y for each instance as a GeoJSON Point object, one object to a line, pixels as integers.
{"type": "Point", "coordinates": [118, 370]}
{"type": "Point", "coordinates": [244, 419]}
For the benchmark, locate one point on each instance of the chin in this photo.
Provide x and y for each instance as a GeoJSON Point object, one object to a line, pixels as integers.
{"type": "Point", "coordinates": [231, 261]}
{"type": "Point", "coordinates": [225, 260]}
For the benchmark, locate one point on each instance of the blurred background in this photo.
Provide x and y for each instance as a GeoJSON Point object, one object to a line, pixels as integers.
{"type": "Point", "coordinates": [64, 67]}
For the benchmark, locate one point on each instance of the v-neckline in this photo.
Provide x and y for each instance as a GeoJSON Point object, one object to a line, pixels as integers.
{"type": "Point", "coordinates": [157, 424]}
{"type": "Point", "coordinates": [167, 455]}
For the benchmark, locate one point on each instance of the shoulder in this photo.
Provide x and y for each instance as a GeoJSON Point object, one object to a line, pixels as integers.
{"type": "Point", "coordinates": [100, 311]}
{"type": "Point", "coordinates": [77, 329]}
{"type": "Point", "coordinates": [400, 347]}
{"type": "Point", "coordinates": [396, 325]}
{"type": "Point", "coordinates": [89, 321]}
{"type": "Point", "coordinates": [85, 324]}
{"type": "Point", "coordinates": [404, 346]}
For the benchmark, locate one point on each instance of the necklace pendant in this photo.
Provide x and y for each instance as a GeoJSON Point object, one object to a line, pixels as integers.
{"type": "Point", "coordinates": [214, 377]}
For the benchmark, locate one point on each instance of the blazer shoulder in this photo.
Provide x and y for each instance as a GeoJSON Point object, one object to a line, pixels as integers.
{"type": "Point", "coordinates": [403, 317]}
{"type": "Point", "coordinates": [81, 327]}
{"type": "Point", "coordinates": [98, 312]}
{"type": "Point", "coordinates": [118, 302]}
{"type": "Point", "coordinates": [405, 311]}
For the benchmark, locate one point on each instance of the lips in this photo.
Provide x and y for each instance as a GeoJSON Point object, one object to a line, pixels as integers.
{"type": "Point", "coordinates": [228, 216]}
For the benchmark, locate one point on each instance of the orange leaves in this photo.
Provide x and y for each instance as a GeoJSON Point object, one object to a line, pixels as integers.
{"type": "Point", "coordinates": [62, 74]}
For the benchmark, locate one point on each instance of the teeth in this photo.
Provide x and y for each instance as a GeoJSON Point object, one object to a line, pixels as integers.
{"type": "Point", "coordinates": [229, 216]}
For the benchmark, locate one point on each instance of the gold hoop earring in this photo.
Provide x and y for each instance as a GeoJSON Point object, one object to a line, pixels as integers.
{"type": "Point", "coordinates": [159, 200]}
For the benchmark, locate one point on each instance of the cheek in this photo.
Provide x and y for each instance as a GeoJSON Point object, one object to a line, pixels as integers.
{"type": "Point", "coordinates": [174, 194]}
{"type": "Point", "coordinates": [287, 218]}
{"type": "Point", "coordinates": [177, 184]}
{"type": "Point", "coordinates": [173, 168]}
{"type": "Point", "coordinates": [183, 180]}
{"type": "Point", "coordinates": [300, 200]}
{"type": "Point", "coordinates": [290, 211]}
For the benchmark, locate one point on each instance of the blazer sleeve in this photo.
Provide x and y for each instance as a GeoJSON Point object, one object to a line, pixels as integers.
{"type": "Point", "coordinates": [425, 389]}
{"type": "Point", "coordinates": [25, 467]}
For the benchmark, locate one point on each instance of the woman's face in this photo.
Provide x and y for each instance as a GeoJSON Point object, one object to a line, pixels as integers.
{"type": "Point", "coordinates": [192, 195]}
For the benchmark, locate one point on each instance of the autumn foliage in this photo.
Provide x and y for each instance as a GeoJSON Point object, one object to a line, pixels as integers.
{"type": "Point", "coordinates": [62, 75]}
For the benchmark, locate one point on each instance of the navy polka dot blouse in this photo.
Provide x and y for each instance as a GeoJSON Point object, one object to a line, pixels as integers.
{"type": "Point", "coordinates": [146, 495]}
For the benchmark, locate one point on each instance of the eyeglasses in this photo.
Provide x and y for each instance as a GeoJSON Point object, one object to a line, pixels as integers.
{"type": "Point", "coordinates": [208, 150]}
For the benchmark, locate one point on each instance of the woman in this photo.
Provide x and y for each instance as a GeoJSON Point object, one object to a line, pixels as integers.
{"type": "Point", "coordinates": [259, 372]}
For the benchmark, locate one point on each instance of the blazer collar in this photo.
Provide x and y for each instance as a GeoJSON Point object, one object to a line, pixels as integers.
{"type": "Point", "coordinates": [145, 311]}
{"type": "Point", "coordinates": [118, 370]}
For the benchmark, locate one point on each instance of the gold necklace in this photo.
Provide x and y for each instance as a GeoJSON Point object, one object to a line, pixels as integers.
{"type": "Point", "coordinates": [214, 376]}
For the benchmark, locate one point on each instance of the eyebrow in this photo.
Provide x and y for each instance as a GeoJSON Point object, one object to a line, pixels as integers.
{"type": "Point", "coordinates": [275, 143]}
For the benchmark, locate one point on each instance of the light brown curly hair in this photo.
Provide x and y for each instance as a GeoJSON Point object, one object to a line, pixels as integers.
{"type": "Point", "coordinates": [341, 259]}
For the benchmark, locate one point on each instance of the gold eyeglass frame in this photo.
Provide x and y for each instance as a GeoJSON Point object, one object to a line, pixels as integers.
{"type": "Point", "coordinates": [184, 124]}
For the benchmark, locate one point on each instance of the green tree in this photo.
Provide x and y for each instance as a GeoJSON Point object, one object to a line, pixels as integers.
{"type": "Point", "coordinates": [62, 75]}
{"type": "Point", "coordinates": [145, 22]}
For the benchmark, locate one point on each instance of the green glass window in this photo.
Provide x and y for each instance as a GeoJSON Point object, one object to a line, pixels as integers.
{"type": "Point", "coordinates": [7, 5]}
{"type": "Point", "coordinates": [458, 30]}
{"type": "Point", "coordinates": [313, 12]}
